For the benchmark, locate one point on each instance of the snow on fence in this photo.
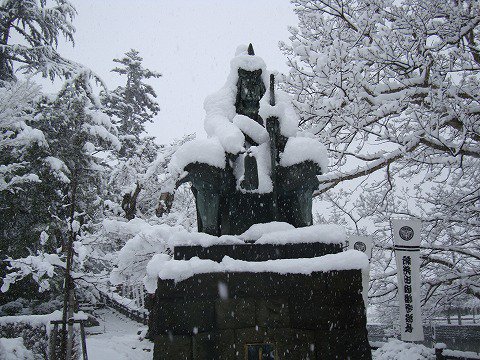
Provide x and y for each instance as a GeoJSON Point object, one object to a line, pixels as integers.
{"type": "Point", "coordinates": [396, 349]}
{"type": "Point", "coordinates": [459, 337]}
{"type": "Point", "coordinates": [125, 306]}
{"type": "Point", "coordinates": [442, 353]}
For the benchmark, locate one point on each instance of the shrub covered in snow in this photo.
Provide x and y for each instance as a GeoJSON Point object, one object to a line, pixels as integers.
{"type": "Point", "coordinates": [35, 330]}
{"type": "Point", "coordinates": [138, 250]}
{"type": "Point", "coordinates": [13, 349]}
{"type": "Point", "coordinates": [23, 306]}
{"type": "Point", "coordinates": [399, 350]}
{"type": "Point", "coordinates": [31, 336]}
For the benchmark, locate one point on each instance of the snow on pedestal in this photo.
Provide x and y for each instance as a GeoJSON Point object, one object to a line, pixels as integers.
{"type": "Point", "coordinates": [274, 233]}
{"type": "Point", "coordinates": [325, 233]}
{"type": "Point", "coordinates": [179, 270]}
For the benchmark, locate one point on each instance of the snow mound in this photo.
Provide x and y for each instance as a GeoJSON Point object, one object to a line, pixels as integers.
{"type": "Point", "coordinates": [258, 230]}
{"type": "Point", "coordinates": [262, 155]}
{"type": "Point", "coordinates": [247, 62]}
{"type": "Point", "coordinates": [300, 149]}
{"type": "Point", "coordinates": [399, 350]}
{"type": "Point", "coordinates": [226, 133]}
{"type": "Point", "coordinates": [324, 233]}
{"type": "Point", "coordinates": [184, 238]}
{"type": "Point", "coordinates": [283, 110]}
{"type": "Point", "coordinates": [251, 128]}
{"type": "Point", "coordinates": [179, 270]}
{"type": "Point", "coordinates": [207, 151]}
{"type": "Point", "coordinates": [14, 349]}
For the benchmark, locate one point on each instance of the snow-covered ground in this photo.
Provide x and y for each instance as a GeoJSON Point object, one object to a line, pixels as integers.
{"type": "Point", "coordinates": [116, 338]}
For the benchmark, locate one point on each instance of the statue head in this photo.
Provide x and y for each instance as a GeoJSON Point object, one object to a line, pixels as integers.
{"type": "Point", "coordinates": [250, 89]}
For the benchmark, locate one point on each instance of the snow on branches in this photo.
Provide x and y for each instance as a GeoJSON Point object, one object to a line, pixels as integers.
{"type": "Point", "coordinates": [17, 101]}
{"type": "Point", "coordinates": [392, 90]}
{"type": "Point", "coordinates": [39, 24]}
{"type": "Point", "coordinates": [380, 81]}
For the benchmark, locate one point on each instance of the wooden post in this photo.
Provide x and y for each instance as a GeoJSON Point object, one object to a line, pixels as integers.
{"type": "Point", "coordinates": [142, 296]}
{"type": "Point", "coordinates": [53, 342]}
{"type": "Point", "coordinates": [84, 340]}
{"type": "Point", "coordinates": [70, 326]}
{"type": "Point", "coordinates": [439, 354]}
{"type": "Point", "coordinates": [439, 347]}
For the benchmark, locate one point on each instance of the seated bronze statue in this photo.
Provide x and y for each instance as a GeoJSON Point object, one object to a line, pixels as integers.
{"type": "Point", "coordinates": [260, 182]}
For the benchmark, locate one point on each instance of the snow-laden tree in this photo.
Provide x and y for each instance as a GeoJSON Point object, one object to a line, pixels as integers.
{"type": "Point", "coordinates": [29, 34]}
{"type": "Point", "coordinates": [77, 133]}
{"type": "Point", "coordinates": [143, 177]}
{"type": "Point", "coordinates": [126, 245]}
{"type": "Point", "coordinates": [392, 89]}
{"type": "Point", "coordinates": [23, 150]}
{"type": "Point", "coordinates": [134, 104]}
{"type": "Point", "coordinates": [17, 103]}
{"type": "Point", "coordinates": [379, 81]}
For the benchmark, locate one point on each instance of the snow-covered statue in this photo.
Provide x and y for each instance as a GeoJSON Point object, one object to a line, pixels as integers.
{"type": "Point", "coordinates": [255, 166]}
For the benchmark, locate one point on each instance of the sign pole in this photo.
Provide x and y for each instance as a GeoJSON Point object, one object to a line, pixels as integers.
{"type": "Point", "coordinates": [365, 245]}
{"type": "Point", "coordinates": [406, 238]}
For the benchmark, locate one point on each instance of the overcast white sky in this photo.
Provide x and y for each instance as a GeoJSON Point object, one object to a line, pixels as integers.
{"type": "Point", "coordinates": [190, 42]}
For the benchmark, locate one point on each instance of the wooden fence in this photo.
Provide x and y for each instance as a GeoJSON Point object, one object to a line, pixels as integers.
{"type": "Point", "coordinates": [441, 353]}
{"type": "Point", "coordinates": [136, 315]}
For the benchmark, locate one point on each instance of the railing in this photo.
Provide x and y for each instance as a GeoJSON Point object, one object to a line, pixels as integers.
{"type": "Point", "coordinates": [441, 352]}
{"type": "Point", "coordinates": [135, 315]}
{"type": "Point", "coordinates": [53, 337]}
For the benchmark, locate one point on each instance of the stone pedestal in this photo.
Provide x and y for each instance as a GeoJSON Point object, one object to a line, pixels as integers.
{"type": "Point", "coordinates": [222, 315]}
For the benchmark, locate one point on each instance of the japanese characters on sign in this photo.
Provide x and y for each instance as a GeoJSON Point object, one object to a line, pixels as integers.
{"type": "Point", "coordinates": [407, 288]}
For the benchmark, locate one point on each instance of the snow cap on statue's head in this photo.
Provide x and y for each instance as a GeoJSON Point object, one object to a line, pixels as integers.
{"type": "Point", "coordinates": [241, 50]}
{"type": "Point", "coordinates": [244, 50]}
{"type": "Point", "coordinates": [246, 59]}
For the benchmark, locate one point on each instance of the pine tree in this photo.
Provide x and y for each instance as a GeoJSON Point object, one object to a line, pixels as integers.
{"type": "Point", "coordinates": [39, 26]}
{"type": "Point", "coordinates": [77, 133]}
{"type": "Point", "coordinates": [132, 105]}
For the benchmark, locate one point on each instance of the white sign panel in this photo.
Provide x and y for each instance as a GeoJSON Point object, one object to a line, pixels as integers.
{"type": "Point", "coordinates": [363, 244]}
{"type": "Point", "coordinates": [406, 238]}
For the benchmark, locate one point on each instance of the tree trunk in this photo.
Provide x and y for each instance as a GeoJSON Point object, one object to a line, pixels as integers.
{"type": "Point", "coordinates": [67, 336]}
{"type": "Point", "coordinates": [6, 70]}
{"type": "Point", "coordinates": [165, 204]}
{"type": "Point", "coordinates": [129, 203]}
{"type": "Point", "coordinates": [71, 300]}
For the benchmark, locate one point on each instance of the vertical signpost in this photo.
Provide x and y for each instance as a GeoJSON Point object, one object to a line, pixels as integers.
{"type": "Point", "coordinates": [406, 238]}
{"type": "Point", "coordinates": [363, 244]}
